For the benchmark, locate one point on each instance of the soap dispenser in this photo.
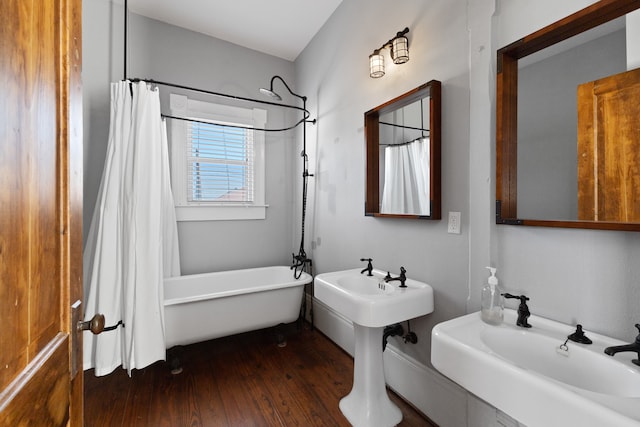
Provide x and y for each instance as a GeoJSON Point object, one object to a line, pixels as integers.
{"type": "Point", "coordinates": [492, 303]}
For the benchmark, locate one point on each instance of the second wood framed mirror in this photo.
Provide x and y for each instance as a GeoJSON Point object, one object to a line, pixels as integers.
{"type": "Point", "coordinates": [403, 155]}
{"type": "Point", "coordinates": [566, 169]}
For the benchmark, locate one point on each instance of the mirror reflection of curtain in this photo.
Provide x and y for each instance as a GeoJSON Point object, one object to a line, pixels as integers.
{"type": "Point", "coordinates": [406, 179]}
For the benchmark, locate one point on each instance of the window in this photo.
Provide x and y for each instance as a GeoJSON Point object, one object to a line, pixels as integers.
{"type": "Point", "coordinates": [219, 163]}
{"type": "Point", "coordinates": [217, 169]}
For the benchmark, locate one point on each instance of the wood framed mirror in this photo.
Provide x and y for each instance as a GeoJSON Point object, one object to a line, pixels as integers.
{"type": "Point", "coordinates": [583, 183]}
{"type": "Point", "coordinates": [403, 155]}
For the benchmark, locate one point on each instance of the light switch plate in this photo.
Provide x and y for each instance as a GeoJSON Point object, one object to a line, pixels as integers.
{"type": "Point", "coordinates": [454, 223]}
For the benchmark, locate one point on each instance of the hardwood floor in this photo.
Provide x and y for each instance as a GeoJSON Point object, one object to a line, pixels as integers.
{"type": "Point", "coordinates": [243, 380]}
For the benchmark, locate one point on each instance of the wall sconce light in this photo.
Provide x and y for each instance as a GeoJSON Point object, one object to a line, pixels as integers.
{"type": "Point", "coordinates": [399, 54]}
{"type": "Point", "coordinates": [376, 64]}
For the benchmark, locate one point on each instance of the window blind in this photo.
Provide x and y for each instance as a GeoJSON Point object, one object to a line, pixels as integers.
{"type": "Point", "coordinates": [219, 163]}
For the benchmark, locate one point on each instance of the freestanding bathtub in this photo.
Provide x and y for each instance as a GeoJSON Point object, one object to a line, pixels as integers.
{"type": "Point", "coordinates": [201, 307]}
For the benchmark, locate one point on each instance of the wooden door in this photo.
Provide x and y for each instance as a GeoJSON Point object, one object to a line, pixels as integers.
{"type": "Point", "coordinates": [609, 148]}
{"type": "Point", "coordinates": [40, 211]}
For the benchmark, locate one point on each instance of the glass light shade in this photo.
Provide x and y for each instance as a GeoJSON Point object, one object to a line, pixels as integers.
{"type": "Point", "coordinates": [400, 50]}
{"type": "Point", "coordinates": [376, 65]}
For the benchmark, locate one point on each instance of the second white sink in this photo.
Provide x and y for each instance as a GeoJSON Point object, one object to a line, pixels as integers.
{"type": "Point", "coordinates": [533, 376]}
{"type": "Point", "coordinates": [575, 365]}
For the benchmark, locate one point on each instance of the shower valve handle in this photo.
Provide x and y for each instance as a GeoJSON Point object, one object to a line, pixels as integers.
{"type": "Point", "coordinates": [95, 325]}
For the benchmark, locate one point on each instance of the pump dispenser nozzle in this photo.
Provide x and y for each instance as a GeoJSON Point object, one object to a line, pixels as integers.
{"type": "Point", "coordinates": [492, 303]}
{"type": "Point", "coordinates": [493, 280]}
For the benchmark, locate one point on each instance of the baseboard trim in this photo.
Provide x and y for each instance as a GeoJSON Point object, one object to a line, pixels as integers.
{"type": "Point", "coordinates": [429, 392]}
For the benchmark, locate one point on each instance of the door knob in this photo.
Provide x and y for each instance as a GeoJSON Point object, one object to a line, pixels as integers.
{"type": "Point", "coordinates": [95, 325]}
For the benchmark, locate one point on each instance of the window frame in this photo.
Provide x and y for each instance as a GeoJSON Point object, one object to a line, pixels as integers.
{"type": "Point", "coordinates": [182, 106]}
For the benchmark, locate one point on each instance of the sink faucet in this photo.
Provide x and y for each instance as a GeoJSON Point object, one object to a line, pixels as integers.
{"type": "Point", "coordinates": [402, 278]}
{"type": "Point", "coordinates": [369, 268]}
{"type": "Point", "coordinates": [523, 310]}
{"type": "Point", "coordinates": [634, 346]}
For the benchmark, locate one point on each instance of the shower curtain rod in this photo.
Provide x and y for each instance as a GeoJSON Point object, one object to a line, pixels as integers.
{"type": "Point", "coordinates": [422, 129]}
{"type": "Point", "coordinates": [224, 95]}
{"type": "Point", "coordinates": [187, 119]}
{"type": "Point", "coordinates": [402, 143]}
{"type": "Point", "coordinates": [404, 127]}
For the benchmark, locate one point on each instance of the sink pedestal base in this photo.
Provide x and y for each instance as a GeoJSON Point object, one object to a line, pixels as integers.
{"type": "Point", "coordinates": [368, 404]}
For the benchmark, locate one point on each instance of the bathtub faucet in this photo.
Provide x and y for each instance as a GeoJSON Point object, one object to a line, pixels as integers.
{"type": "Point", "coordinates": [402, 278]}
{"type": "Point", "coordinates": [634, 346]}
{"type": "Point", "coordinates": [369, 268]}
{"type": "Point", "coordinates": [300, 261]}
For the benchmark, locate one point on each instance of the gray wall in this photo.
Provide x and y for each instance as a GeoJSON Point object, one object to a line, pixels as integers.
{"type": "Point", "coordinates": [340, 90]}
{"type": "Point", "coordinates": [168, 53]}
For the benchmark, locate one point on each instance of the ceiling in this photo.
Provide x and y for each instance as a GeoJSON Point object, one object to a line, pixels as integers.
{"type": "Point", "coordinates": [281, 28]}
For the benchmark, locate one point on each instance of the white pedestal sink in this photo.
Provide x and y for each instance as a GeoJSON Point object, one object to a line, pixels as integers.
{"type": "Point", "coordinates": [371, 304]}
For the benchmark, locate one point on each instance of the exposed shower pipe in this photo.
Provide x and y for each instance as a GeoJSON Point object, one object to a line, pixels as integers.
{"type": "Point", "coordinates": [300, 261]}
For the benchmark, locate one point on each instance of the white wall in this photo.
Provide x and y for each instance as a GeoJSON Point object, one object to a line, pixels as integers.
{"type": "Point", "coordinates": [167, 53]}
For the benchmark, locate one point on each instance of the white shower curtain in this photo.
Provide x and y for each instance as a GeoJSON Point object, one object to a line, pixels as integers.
{"type": "Point", "coordinates": [406, 179]}
{"type": "Point", "coordinates": [133, 242]}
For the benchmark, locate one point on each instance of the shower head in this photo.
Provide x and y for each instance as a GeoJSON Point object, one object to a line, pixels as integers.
{"type": "Point", "coordinates": [270, 93]}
